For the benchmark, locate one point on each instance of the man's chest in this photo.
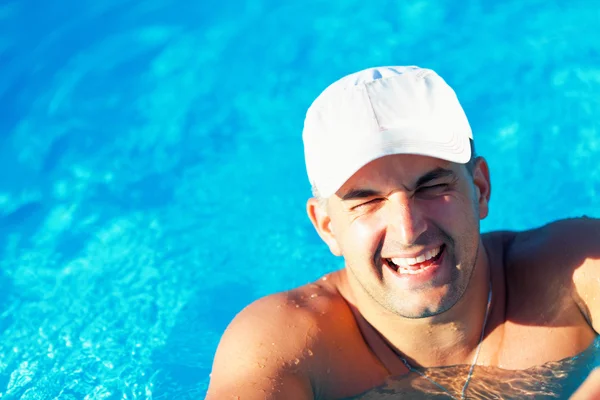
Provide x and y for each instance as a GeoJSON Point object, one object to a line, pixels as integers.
{"type": "Point", "coordinates": [537, 324]}
{"type": "Point", "coordinates": [549, 380]}
{"type": "Point", "coordinates": [519, 346]}
{"type": "Point", "coordinates": [518, 351]}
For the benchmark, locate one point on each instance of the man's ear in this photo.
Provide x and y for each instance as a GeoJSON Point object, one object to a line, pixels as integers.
{"type": "Point", "coordinates": [483, 186]}
{"type": "Point", "coordinates": [319, 216]}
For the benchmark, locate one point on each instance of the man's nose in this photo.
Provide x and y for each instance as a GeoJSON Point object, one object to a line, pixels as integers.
{"type": "Point", "coordinates": [406, 221]}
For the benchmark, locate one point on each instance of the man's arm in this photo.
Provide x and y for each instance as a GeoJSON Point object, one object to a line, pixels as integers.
{"type": "Point", "coordinates": [590, 388]}
{"type": "Point", "coordinates": [262, 354]}
{"type": "Point", "coordinates": [579, 241]}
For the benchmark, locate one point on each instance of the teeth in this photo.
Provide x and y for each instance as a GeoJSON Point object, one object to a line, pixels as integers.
{"type": "Point", "coordinates": [404, 262]}
{"type": "Point", "coordinates": [410, 271]}
{"type": "Point", "coordinates": [409, 262]}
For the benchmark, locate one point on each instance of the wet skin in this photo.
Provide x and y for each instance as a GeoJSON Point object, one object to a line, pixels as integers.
{"type": "Point", "coordinates": [340, 336]}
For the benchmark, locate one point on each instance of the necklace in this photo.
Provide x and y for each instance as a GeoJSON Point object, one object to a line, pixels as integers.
{"type": "Point", "coordinates": [470, 374]}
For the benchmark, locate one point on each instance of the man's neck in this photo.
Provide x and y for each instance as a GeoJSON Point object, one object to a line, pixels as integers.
{"type": "Point", "coordinates": [446, 339]}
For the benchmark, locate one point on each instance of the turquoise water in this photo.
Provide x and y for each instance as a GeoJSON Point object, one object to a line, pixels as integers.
{"type": "Point", "coordinates": [152, 179]}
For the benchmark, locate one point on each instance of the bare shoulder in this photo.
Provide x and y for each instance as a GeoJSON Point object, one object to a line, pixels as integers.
{"type": "Point", "coordinates": [545, 260]}
{"type": "Point", "coordinates": [553, 264]}
{"type": "Point", "coordinates": [272, 348]}
{"type": "Point", "coordinates": [566, 244]}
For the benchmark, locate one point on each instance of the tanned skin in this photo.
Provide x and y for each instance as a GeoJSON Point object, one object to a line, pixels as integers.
{"type": "Point", "coordinates": [342, 335]}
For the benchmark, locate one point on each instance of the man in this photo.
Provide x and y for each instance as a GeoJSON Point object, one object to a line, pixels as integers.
{"type": "Point", "coordinates": [425, 306]}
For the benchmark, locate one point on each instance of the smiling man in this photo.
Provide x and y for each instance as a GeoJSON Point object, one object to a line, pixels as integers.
{"type": "Point", "coordinates": [426, 305]}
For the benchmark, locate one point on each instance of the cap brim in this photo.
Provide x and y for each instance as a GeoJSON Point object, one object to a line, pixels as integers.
{"type": "Point", "coordinates": [455, 149]}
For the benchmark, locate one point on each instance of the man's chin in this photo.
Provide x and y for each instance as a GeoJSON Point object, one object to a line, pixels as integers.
{"type": "Point", "coordinates": [426, 305]}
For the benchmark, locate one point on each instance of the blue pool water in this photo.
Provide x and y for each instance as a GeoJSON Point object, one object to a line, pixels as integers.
{"type": "Point", "coordinates": [151, 168]}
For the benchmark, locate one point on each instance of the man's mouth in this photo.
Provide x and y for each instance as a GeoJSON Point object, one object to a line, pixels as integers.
{"type": "Point", "coordinates": [417, 265]}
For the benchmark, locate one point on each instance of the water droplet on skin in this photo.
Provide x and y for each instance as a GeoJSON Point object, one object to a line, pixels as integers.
{"type": "Point", "coordinates": [324, 278]}
{"type": "Point", "coordinates": [273, 344]}
{"type": "Point", "coordinates": [296, 361]}
{"type": "Point", "coordinates": [297, 306]}
{"type": "Point", "coordinates": [310, 353]}
{"type": "Point", "coordinates": [312, 296]}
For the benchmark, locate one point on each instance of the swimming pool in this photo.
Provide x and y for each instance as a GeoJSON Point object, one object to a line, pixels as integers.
{"type": "Point", "coordinates": [152, 179]}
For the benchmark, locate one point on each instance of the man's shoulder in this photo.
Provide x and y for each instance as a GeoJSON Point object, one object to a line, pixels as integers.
{"type": "Point", "coordinates": [285, 336]}
{"type": "Point", "coordinates": [310, 303]}
{"type": "Point", "coordinates": [573, 237]}
{"type": "Point", "coordinates": [291, 322]}
{"type": "Point", "coordinates": [564, 244]}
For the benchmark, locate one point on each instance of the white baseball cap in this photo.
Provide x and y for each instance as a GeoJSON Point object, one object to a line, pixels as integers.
{"type": "Point", "coordinates": [381, 111]}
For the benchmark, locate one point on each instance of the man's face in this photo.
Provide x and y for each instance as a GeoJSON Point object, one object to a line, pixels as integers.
{"type": "Point", "coordinates": [408, 229]}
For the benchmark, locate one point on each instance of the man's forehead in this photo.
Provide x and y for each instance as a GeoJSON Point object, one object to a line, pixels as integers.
{"type": "Point", "coordinates": [401, 169]}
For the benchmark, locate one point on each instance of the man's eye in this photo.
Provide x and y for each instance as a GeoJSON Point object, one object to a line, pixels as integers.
{"type": "Point", "coordinates": [367, 203]}
{"type": "Point", "coordinates": [433, 188]}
